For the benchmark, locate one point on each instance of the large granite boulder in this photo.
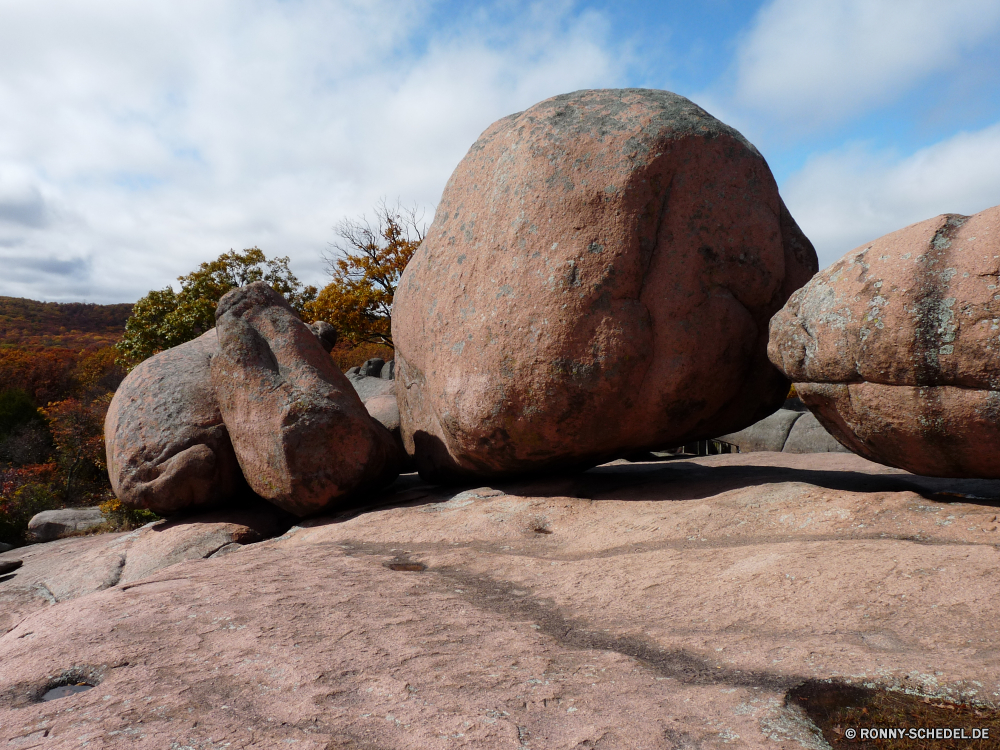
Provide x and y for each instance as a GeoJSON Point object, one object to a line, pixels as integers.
{"type": "Point", "coordinates": [52, 524]}
{"type": "Point", "coordinates": [167, 447]}
{"type": "Point", "coordinates": [302, 434]}
{"type": "Point", "coordinates": [896, 347]}
{"type": "Point", "coordinates": [597, 280]}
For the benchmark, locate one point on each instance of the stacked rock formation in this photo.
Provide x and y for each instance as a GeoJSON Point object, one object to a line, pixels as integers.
{"type": "Point", "coordinates": [598, 279]}
{"type": "Point", "coordinates": [302, 435]}
{"type": "Point", "coordinates": [896, 347]}
{"type": "Point", "coordinates": [257, 396]}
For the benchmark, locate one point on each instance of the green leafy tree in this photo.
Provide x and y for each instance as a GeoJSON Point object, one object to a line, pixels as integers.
{"type": "Point", "coordinates": [366, 265]}
{"type": "Point", "coordinates": [165, 318]}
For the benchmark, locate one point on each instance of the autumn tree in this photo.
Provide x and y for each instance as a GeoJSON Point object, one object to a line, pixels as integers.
{"type": "Point", "coordinates": [77, 427]}
{"type": "Point", "coordinates": [365, 266]}
{"type": "Point", "coordinates": [165, 318]}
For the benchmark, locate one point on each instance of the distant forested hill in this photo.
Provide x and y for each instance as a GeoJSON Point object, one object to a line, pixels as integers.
{"type": "Point", "coordinates": [25, 323]}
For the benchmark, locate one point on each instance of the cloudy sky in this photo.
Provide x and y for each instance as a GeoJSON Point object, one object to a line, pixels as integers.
{"type": "Point", "coordinates": [139, 138]}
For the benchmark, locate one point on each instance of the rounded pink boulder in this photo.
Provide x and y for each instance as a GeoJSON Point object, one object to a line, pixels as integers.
{"type": "Point", "coordinates": [598, 279]}
{"type": "Point", "coordinates": [896, 347]}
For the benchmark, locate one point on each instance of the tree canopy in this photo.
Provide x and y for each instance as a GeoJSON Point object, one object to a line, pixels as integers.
{"type": "Point", "coordinates": [165, 318]}
{"type": "Point", "coordinates": [365, 267]}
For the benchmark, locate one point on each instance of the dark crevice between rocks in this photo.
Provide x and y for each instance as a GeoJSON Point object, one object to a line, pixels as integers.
{"type": "Point", "coordinates": [839, 710]}
{"type": "Point", "coordinates": [515, 604]}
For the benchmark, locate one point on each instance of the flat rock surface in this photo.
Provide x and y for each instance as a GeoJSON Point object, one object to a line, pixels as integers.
{"type": "Point", "coordinates": [65, 569]}
{"type": "Point", "coordinates": [662, 605]}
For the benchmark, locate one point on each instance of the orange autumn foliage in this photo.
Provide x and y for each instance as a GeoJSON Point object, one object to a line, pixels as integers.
{"type": "Point", "coordinates": [366, 267]}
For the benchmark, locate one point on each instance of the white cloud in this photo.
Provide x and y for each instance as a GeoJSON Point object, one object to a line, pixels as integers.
{"type": "Point", "coordinates": [846, 198]}
{"type": "Point", "coordinates": [817, 61]}
{"type": "Point", "coordinates": [140, 139]}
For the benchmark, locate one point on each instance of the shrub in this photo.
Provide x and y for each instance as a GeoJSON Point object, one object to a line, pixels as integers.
{"type": "Point", "coordinates": [165, 318]}
{"type": "Point", "coordinates": [25, 492]}
{"type": "Point", "coordinates": [365, 270]}
{"type": "Point", "coordinates": [119, 517]}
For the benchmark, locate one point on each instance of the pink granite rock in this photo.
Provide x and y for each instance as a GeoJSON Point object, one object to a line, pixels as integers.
{"type": "Point", "coordinates": [167, 543]}
{"type": "Point", "coordinates": [302, 435]}
{"type": "Point", "coordinates": [668, 605]}
{"type": "Point", "coordinates": [597, 280]}
{"type": "Point", "coordinates": [896, 347]}
{"type": "Point", "coordinates": [167, 447]}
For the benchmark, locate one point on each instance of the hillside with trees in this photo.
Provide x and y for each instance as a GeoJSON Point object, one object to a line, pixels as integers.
{"type": "Point", "coordinates": [60, 363]}
{"type": "Point", "coordinates": [28, 324]}
{"type": "Point", "coordinates": [57, 375]}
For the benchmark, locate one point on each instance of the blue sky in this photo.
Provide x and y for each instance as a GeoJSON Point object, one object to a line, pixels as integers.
{"type": "Point", "coordinates": [138, 139]}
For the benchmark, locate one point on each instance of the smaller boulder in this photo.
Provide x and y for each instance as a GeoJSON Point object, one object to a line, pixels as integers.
{"type": "Point", "coordinates": [4, 547]}
{"type": "Point", "coordinates": [785, 431]}
{"type": "Point", "coordinates": [302, 435]}
{"type": "Point", "coordinates": [9, 566]}
{"type": "Point", "coordinates": [372, 368]}
{"type": "Point", "coordinates": [385, 410]}
{"type": "Point", "coordinates": [769, 434]}
{"type": "Point", "coordinates": [368, 387]}
{"type": "Point", "coordinates": [51, 524]}
{"type": "Point", "coordinates": [809, 436]}
{"type": "Point", "coordinates": [326, 334]}
{"type": "Point", "coordinates": [168, 449]}
{"type": "Point", "coordinates": [388, 370]}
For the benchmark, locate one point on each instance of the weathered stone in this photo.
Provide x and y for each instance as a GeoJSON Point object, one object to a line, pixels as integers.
{"type": "Point", "coordinates": [167, 543]}
{"type": "Point", "coordinates": [51, 524]}
{"type": "Point", "coordinates": [4, 547]}
{"type": "Point", "coordinates": [372, 368]}
{"type": "Point", "coordinates": [60, 570]}
{"type": "Point", "coordinates": [597, 280]}
{"type": "Point", "coordinates": [9, 566]}
{"type": "Point", "coordinates": [302, 435]}
{"type": "Point", "coordinates": [671, 605]}
{"type": "Point", "coordinates": [326, 334]}
{"type": "Point", "coordinates": [809, 436]}
{"type": "Point", "coordinates": [167, 447]}
{"type": "Point", "coordinates": [368, 387]}
{"type": "Point", "coordinates": [791, 431]}
{"type": "Point", "coordinates": [896, 350]}
{"type": "Point", "coordinates": [769, 434]}
{"type": "Point", "coordinates": [65, 569]}
{"type": "Point", "coordinates": [385, 410]}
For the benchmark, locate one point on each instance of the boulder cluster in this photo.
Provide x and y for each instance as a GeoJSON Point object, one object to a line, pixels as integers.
{"type": "Point", "coordinates": [607, 272]}
{"type": "Point", "coordinates": [256, 403]}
